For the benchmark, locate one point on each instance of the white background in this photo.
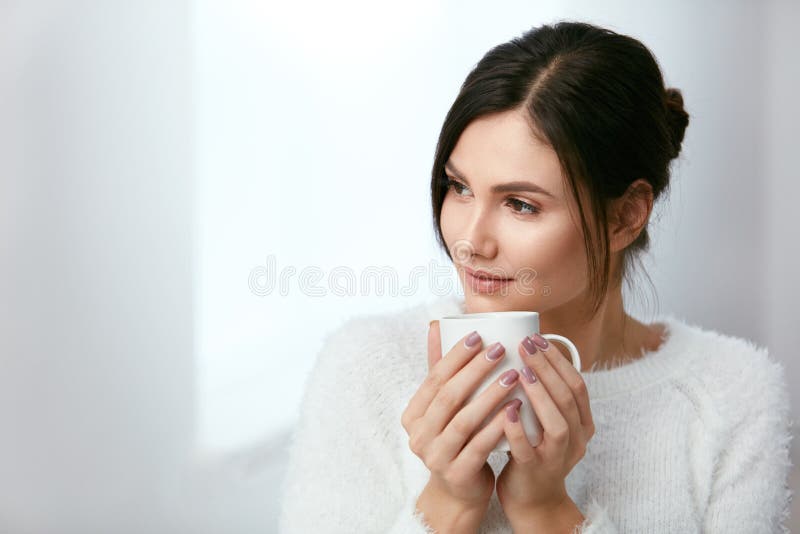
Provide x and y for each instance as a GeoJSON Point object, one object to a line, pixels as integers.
{"type": "Point", "coordinates": [153, 156]}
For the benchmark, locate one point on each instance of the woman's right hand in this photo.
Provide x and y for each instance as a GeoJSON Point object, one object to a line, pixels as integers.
{"type": "Point", "coordinates": [444, 433]}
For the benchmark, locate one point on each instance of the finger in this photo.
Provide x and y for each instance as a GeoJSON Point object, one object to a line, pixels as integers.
{"type": "Point", "coordinates": [559, 391]}
{"type": "Point", "coordinates": [477, 450]}
{"type": "Point", "coordinates": [437, 377]}
{"type": "Point", "coordinates": [521, 449]}
{"type": "Point", "coordinates": [554, 424]}
{"type": "Point", "coordinates": [434, 344]}
{"type": "Point", "coordinates": [575, 382]}
{"type": "Point", "coordinates": [460, 428]}
{"type": "Point", "coordinates": [449, 402]}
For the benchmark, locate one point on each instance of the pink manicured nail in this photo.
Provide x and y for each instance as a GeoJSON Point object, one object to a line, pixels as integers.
{"type": "Point", "coordinates": [512, 411]}
{"type": "Point", "coordinates": [513, 416]}
{"type": "Point", "coordinates": [472, 339]}
{"type": "Point", "coordinates": [494, 353]}
{"type": "Point", "coordinates": [528, 374]}
{"type": "Point", "coordinates": [530, 348]}
{"type": "Point", "coordinates": [540, 341]}
{"type": "Point", "coordinates": [509, 377]}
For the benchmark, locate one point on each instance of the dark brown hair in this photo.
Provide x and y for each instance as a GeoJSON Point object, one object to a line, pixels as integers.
{"type": "Point", "coordinates": [598, 98]}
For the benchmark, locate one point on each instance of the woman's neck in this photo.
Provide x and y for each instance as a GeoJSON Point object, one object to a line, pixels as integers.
{"type": "Point", "coordinates": [610, 338]}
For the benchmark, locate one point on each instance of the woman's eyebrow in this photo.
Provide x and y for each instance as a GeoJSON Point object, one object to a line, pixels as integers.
{"type": "Point", "coordinates": [518, 185]}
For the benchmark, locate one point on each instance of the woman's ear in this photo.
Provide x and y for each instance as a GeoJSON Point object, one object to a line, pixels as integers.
{"type": "Point", "coordinates": [629, 214]}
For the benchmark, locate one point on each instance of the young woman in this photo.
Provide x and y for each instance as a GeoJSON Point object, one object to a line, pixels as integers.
{"type": "Point", "coordinates": [544, 179]}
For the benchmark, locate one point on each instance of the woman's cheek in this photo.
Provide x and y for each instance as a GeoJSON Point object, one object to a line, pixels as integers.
{"type": "Point", "coordinates": [446, 223]}
{"type": "Point", "coordinates": [552, 257]}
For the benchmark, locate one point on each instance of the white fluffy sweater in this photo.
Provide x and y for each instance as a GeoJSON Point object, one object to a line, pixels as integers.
{"type": "Point", "coordinates": [693, 437]}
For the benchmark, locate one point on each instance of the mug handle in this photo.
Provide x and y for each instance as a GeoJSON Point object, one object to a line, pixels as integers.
{"type": "Point", "coordinates": [573, 350]}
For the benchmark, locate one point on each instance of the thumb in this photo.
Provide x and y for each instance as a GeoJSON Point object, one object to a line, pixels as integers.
{"type": "Point", "coordinates": [434, 344]}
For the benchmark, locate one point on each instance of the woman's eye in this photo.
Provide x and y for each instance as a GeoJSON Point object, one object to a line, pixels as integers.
{"type": "Point", "coordinates": [456, 186]}
{"type": "Point", "coordinates": [518, 206]}
{"type": "Point", "coordinates": [524, 206]}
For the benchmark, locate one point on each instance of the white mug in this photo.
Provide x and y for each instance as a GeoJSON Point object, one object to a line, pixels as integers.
{"type": "Point", "coordinates": [509, 328]}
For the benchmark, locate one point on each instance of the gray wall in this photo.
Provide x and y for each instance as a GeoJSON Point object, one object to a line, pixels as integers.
{"type": "Point", "coordinates": [96, 358]}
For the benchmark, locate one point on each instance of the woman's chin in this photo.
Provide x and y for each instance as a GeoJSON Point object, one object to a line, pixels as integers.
{"type": "Point", "coordinates": [480, 303]}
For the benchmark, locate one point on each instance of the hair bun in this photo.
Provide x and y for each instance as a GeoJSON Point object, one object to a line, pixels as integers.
{"type": "Point", "coordinates": [677, 118]}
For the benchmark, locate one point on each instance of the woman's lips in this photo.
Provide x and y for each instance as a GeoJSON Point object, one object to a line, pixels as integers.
{"type": "Point", "coordinates": [486, 285]}
{"type": "Point", "coordinates": [485, 274]}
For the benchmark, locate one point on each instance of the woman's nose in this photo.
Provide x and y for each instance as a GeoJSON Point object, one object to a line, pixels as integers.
{"type": "Point", "coordinates": [478, 237]}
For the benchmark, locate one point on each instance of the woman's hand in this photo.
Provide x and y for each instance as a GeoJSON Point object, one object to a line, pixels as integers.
{"type": "Point", "coordinates": [532, 482]}
{"type": "Point", "coordinates": [444, 432]}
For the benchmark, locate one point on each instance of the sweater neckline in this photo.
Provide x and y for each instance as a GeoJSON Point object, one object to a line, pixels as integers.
{"type": "Point", "coordinates": [651, 368]}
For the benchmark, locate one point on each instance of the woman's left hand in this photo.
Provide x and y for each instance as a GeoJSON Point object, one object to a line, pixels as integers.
{"type": "Point", "coordinates": [532, 482]}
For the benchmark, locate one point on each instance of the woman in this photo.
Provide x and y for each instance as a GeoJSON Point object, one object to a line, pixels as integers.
{"type": "Point", "coordinates": [545, 175]}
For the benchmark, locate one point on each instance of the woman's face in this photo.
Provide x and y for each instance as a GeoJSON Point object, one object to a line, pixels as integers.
{"type": "Point", "coordinates": [531, 237]}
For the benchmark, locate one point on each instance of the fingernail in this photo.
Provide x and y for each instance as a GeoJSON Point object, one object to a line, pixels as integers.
{"type": "Point", "coordinates": [512, 410]}
{"type": "Point", "coordinates": [530, 348]}
{"type": "Point", "coordinates": [472, 339]}
{"type": "Point", "coordinates": [495, 352]}
{"type": "Point", "coordinates": [512, 414]}
{"type": "Point", "coordinates": [540, 341]}
{"type": "Point", "coordinates": [509, 377]}
{"type": "Point", "coordinates": [528, 375]}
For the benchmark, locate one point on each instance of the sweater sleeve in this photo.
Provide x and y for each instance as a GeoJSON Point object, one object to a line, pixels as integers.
{"type": "Point", "coordinates": [342, 474]}
{"type": "Point", "coordinates": [597, 520]}
{"type": "Point", "coordinates": [750, 491]}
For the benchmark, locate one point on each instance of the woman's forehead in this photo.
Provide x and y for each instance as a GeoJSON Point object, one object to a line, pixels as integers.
{"type": "Point", "coordinates": [501, 148]}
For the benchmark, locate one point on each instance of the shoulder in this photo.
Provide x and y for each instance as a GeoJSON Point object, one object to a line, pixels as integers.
{"type": "Point", "coordinates": [390, 338]}
{"type": "Point", "coordinates": [379, 359]}
{"type": "Point", "coordinates": [744, 380]}
{"type": "Point", "coordinates": [369, 326]}
{"type": "Point", "coordinates": [731, 359]}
